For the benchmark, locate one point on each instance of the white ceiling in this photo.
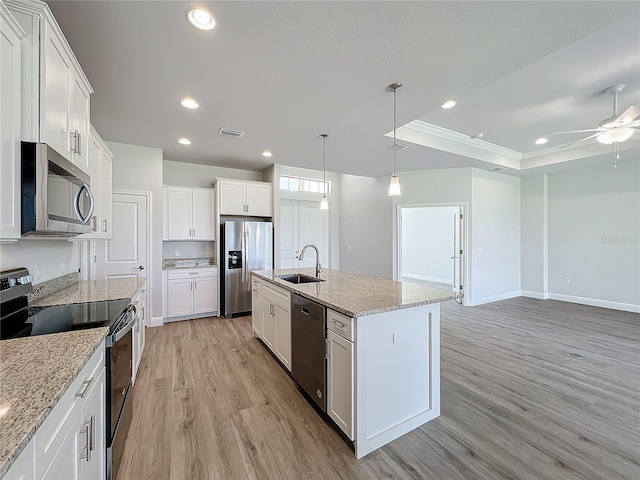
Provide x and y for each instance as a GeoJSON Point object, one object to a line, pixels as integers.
{"type": "Point", "coordinates": [285, 72]}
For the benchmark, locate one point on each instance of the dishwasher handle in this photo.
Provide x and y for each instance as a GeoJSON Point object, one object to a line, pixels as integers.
{"type": "Point", "coordinates": [305, 311]}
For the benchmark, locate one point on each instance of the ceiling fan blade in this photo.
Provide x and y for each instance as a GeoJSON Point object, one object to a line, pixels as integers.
{"type": "Point", "coordinates": [578, 131]}
{"type": "Point", "coordinates": [571, 144]}
{"type": "Point", "coordinates": [628, 116]}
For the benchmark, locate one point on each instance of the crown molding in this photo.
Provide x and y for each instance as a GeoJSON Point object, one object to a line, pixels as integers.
{"type": "Point", "coordinates": [460, 138]}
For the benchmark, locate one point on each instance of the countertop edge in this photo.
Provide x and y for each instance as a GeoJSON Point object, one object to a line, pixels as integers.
{"type": "Point", "coordinates": [365, 313]}
{"type": "Point", "coordinates": [13, 456]}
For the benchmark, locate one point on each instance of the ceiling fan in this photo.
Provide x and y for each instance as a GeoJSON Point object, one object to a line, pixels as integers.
{"type": "Point", "coordinates": [616, 129]}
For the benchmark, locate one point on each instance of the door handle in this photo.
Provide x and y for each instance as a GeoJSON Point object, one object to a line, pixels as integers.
{"type": "Point", "coordinates": [140, 267]}
{"type": "Point", "coordinates": [304, 311]}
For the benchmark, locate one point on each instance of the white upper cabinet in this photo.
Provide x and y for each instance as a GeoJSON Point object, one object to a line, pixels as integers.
{"type": "Point", "coordinates": [99, 169]}
{"type": "Point", "coordinates": [11, 36]}
{"type": "Point", "coordinates": [239, 197]}
{"type": "Point", "coordinates": [188, 213]}
{"type": "Point", "coordinates": [55, 91]}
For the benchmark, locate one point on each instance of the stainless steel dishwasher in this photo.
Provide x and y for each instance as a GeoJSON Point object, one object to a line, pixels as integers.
{"type": "Point", "coordinates": [308, 360]}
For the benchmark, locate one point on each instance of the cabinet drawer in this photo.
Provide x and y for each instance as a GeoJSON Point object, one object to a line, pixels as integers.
{"type": "Point", "coordinates": [256, 283]}
{"type": "Point", "coordinates": [52, 432]}
{"type": "Point", "coordinates": [340, 324]}
{"type": "Point", "coordinates": [192, 273]}
{"type": "Point", "coordinates": [277, 295]}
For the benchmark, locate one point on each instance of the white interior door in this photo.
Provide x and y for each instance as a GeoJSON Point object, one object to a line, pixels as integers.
{"type": "Point", "coordinates": [125, 254]}
{"type": "Point", "coordinates": [288, 234]}
{"type": "Point", "coordinates": [302, 223]}
{"type": "Point", "coordinates": [313, 227]}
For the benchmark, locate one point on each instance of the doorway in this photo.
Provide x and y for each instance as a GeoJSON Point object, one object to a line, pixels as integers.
{"type": "Point", "coordinates": [301, 223]}
{"type": "Point", "coordinates": [432, 244]}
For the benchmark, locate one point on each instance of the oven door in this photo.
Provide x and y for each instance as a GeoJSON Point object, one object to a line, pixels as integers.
{"type": "Point", "coordinates": [119, 364]}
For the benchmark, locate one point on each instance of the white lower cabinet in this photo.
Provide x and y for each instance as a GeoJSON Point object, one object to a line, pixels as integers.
{"type": "Point", "coordinates": [139, 335]}
{"type": "Point", "coordinates": [70, 443]}
{"type": "Point", "coordinates": [192, 293]}
{"type": "Point", "coordinates": [256, 306]}
{"type": "Point", "coordinates": [340, 365]}
{"type": "Point", "coordinates": [275, 324]}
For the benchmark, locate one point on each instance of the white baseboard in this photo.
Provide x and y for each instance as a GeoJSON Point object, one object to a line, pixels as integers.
{"type": "Point", "coordinates": [495, 298]}
{"type": "Point", "coordinates": [155, 322]}
{"type": "Point", "coordinates": [626, 307]}
{"type": "Point", "coordinates": [427, 279]}
{"type": "Point", "coordinates": [538, 295]}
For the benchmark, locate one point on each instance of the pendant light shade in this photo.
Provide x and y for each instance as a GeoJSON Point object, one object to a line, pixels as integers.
{"type": "Point", "coordinates": [324, 203]}
{"type": "Point", "coordinates": [394, 184]}
{"type": "Point", "coordinates": [394, 187]}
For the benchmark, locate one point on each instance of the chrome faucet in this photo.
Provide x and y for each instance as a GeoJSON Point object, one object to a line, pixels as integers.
{"type": "Point", "coordinates": [318, 266]}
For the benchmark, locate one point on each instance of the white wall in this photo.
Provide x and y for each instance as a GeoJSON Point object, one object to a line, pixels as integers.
{"type": "Point", "coordinates": [45, 259]}
{"type": "Point", "coordinates": [594, 231]}
{"type": "Point", "coordinates": [139, 169]}
{"type": "Point", "coordinates": [427, 243]}
{"type": "Point", "coordinates": [495, 237]}
{"type": "Point", "coordinates": [534, 233]}
{"type": "Point", "coordinates": [366, 226]}
{"type": "Point", "coordinates": [194, 175]}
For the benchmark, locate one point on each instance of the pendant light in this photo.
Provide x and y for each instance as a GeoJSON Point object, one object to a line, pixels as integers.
{"type": "Point", "coordinates": [394, 184]}
{"type": "Point", "coordinates": [324, 203]}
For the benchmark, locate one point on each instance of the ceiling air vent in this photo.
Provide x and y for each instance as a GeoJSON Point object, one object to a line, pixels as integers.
{"type": "Point", "coordinates": [227, 132]}
{"type": "Point", "coordinates": [400, 146]}
{"type": "Point", "coordinates": [496, 169]}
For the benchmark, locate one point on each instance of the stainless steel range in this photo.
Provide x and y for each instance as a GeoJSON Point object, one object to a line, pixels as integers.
{"type": "Point", "coordinates": [18, 319]}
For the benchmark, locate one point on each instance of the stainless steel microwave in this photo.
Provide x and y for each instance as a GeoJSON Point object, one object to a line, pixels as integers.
{"type": "Point", "coordinates": [56, 195]}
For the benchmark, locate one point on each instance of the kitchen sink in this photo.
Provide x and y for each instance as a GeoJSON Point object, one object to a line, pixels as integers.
{"type": "Point", "coordinates": [299, 278]}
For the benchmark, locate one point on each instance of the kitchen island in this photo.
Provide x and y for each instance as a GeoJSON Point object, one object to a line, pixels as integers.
{"type": "Point", "coordinates": [383, 348]}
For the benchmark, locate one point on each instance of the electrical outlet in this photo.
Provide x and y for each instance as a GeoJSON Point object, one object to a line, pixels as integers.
{"type": "Point", "coordinates": [36, 272]}
{"type": "Point", "coordinates": [566, 280]}
{"type": "Point", "coordinates": [177, 253]}
{"type": "Point", "coordinates": [478, 251]}
{"type": "Point", "coordinates": [400, 336]}
{"type": "Point", "coordinates": [63, 266]}
{"type": "Point", "coordinates": [348, 248]}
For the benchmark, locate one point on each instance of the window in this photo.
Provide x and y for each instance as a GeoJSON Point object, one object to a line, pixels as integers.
{"type": "Point", "coordinates": [294, 184]}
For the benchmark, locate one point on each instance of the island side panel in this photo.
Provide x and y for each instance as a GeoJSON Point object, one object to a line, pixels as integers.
{"type": "Point", "coordinates": [397, 374]}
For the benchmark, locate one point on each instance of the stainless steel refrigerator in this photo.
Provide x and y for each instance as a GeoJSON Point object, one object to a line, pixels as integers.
{"type": "Point", "coordinates": [247, 246]}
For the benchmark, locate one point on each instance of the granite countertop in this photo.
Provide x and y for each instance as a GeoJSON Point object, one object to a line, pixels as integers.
{"type": "Point", "coordinates": [35, 372]}
{"type": "Point", "coordinates": [358, 295]}
{"type": "Point", "coordinates": [96, 291]}
{"type": "Point", "coordinates": [177, 263]}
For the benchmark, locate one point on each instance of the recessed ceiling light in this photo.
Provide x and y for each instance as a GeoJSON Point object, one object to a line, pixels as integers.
{"type": "Point", "coordinates": [189, 102]}
{"type": "Point", "coordinates": [184, 141]}
{"type": "Point", "coordinates": [541, 141]}
{"type": "Point", "coordinates": [449, 104]}
{"type": "Point", "coordinates": [201, 18]}
{"type": "Point", "coordinates": [267, 153]}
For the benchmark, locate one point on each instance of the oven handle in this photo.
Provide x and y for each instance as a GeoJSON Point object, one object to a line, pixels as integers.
{"type": "Point", "coordinates": [122, 332]}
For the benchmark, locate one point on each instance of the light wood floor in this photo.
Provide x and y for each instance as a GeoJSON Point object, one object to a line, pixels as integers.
{"type": "Point", "coordinates": [210, 403]}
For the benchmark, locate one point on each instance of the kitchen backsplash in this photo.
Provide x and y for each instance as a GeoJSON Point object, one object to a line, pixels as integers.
{"type": "Point", "coordinates": [173, 250]}
{"type": "Point", "coordinates": [199, 262]}
{"type": "Point", "coordinates": [46, 259]}
{"type": "Point", "coordinates": [50, 286]}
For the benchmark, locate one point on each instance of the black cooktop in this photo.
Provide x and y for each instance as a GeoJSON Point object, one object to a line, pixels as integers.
{"type": "Point", "coordinates": [31, 321]}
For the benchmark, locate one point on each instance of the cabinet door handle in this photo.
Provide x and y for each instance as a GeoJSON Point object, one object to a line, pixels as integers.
{"type": "Point", "coordinates": [92, 437]}
{"type": "Point", "coordinates": [94, 223]}
{"type": "Point", "coordinates": [78, 142]}
{"type": "Point", "coordinates": [195, 285]}
{"type": "Point", "coordinates": [84, 388]}
{"type": "Point", "coordinates": [104, 228]}
{"type": "Point", "coordinates": [194, 232]}
{"type": "Point", "coordinates": [86, 451]}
